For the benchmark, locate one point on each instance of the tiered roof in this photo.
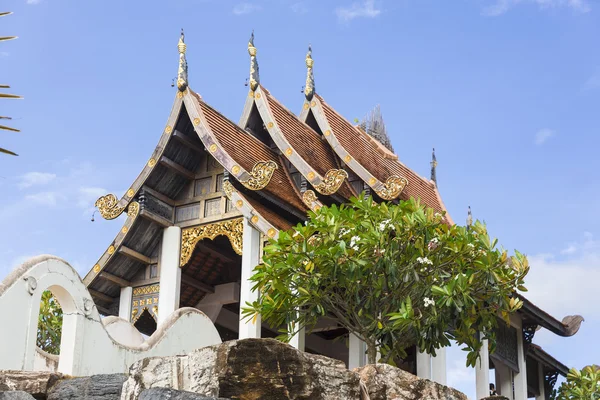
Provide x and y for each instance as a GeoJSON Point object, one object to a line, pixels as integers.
{"type": "Point", "coordinates": [320, 144]}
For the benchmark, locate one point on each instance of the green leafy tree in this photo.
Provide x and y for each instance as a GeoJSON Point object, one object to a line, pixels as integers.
{"type": "Point", "coordinates": [6, 95]}
{"type": "Point", "coordinates": [49, 324]}
{"type": "Point", "coordinates": [393, 275]}
{"type": "Point", "coordinates": [580, 385]}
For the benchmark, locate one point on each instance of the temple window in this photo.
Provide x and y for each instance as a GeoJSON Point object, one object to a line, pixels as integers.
{"type": "Point", "coordinates": [211, 207]}
{"type": "Point", "coordinates": [203, 186]}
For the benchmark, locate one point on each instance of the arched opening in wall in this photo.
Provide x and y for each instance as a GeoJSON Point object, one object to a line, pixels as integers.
{"type": "Point", "coordinates": [210, 282]}
{"type": "Point", "coordinates": [145, 323]}
{"type": "Point", "coordinates": [50, 321]}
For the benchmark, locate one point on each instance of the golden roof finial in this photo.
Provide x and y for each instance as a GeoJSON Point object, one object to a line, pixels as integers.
{"type": "Point", "coordinates": [182, 72]}
{"type": "Point", "coordinates": [254, 76]}
{"type": "Point", "coordinates": [309, 88]}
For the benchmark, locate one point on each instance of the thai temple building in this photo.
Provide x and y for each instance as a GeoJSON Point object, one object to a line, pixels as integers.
{"type": "Point", "coordinates": [214, 192]}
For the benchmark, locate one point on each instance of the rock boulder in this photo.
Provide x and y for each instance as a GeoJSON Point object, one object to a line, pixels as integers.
{"type": "Point", "coordinates": [246, 369]}
{"type": "Point", "coordinates": [34, 383]}
{"type": "Point", "coordinates": [96, 387]}
{"type": "Point", "coordinates": [384, 382]}
{"type": "Point", "coordinates": [171, 394]}
{"type": "Point", "coordinates": [16, 396]}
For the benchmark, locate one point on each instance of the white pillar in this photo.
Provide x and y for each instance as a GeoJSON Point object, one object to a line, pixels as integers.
{"type": "Point", "coordinates": [170, 273]}
{"type": "Point", "coordinates": [125, 303]}
{"type": "Point", "coordinates": [482, 372]}
{"type": "Point", "coordinates": [423, 365]}
{"type": "Point", "coordinates": [504, 384]}
{"type": "Point", "coordinates": [250, 259]}
{"type": "Point", "coordinates": [541, 380]}
{"type": "Point", "coordinates": [521, 376]}
{"type": "Point", "coordinates": [356, 352]}
{"type": "Point", "coordinates": [299, 339]}
{"type": "Point", "coordinates": [438, 367]}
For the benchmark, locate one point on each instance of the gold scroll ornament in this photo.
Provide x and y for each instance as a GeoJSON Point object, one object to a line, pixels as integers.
{"type": "Point", "coordinates": [311, 201]}
{"type": "Point", "coordinates": [393, 186]}
{"type": "Point", "coordinates": [261, 175]}
{"type": "Point", "coordinates": [332, 181]}
{"type": "Point", "coordinates": [233, 229]}
{"type": "Point", "coordinates": [109, 209]}
{"type": "Point", "coordinates": [228, 189]}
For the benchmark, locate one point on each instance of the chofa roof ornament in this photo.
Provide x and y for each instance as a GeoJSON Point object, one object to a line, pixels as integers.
{"type": "Point", "coordinates": [254, 76]}
{"type": "Point", "coordinates": [434, 164]}
{"type": "Point", "coordinates": [309, 88]}
{"type": "Point", "coordinates": [182, 72]}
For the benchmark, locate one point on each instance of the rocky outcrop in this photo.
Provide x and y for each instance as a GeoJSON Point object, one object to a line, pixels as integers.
{"type": "Point", "coordinates": [34, 383]}
{"type": "Point", "coordinates": [385, 382]}
{"type": "Point", "coordinates": [171, 394]}
{"type": "Point", "coordinates": [15, 396]}
{"type": "Point", "coordinates": [246, 369]}
{"type": "Point", "coordinates": [96, 387]}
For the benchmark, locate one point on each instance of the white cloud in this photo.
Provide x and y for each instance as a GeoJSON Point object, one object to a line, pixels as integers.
{"type": "Point", "coordinates": [46, 198]}
{"type": "Point", "coordinates": [543, 135]}
{"type": "Point", "coordinates": [502, 6]}
{"type": "Point", "coordinates": [299, 8]}
{"type": "Point", "coordinates": [245, 8]}
{"type": "Point", "coordinates": [567, 284]}
{"type": "Point", "coordinates": [87, 196]}
{"type": "Point", "coordinates": [364, 9]}
{"type": "Point", "coordinates": [36, 178]}
{"type": "Point", "coordinates": [34, 1]}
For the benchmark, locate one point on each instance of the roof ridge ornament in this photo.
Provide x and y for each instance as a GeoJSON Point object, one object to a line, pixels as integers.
{"type": "Point", "coordinates": [254, 76]}
{"type": "Point", "coordinates": [469, 219]}
{"type": "Point", "coordinates": [182, 72]}
{"type": "Point", "coordinates": [309, 88]}
{"type": "Point", "coordinates": [434, 164]}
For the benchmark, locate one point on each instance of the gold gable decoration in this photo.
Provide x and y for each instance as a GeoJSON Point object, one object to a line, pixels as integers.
{"type": "Point", "coordinates": [332, 181]}
{"type": "Point", "coordinates": [309, 88]}
{"type": "Point", "coordinates": [233, 229]}
{"type": "Point", "coordinates": [393, 186]}
{"type": "Point", "coordinates": [254, 75]}
{"type": "Point", "coordinates": [309, 198]}
{"type": "Point", "coordinates": [261, 175]}
{"type": "Point", "coordinates": [109, 209]}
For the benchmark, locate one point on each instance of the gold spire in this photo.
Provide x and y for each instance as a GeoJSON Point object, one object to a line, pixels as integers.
{"type": "Point", "coordinates": [254, 77]}
{"type": "Point", "coordinates": [309, 88]}
{"type": "Point", "coordinates": [182, 72]}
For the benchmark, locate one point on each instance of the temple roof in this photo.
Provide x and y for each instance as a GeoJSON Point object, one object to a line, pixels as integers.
{"type": "Point", "coordinates": [534, 316]}
{"type": "Point", "coordinates": [550, 363]}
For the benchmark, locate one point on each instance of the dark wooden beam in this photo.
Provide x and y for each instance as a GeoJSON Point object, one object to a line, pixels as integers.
{"type": "Point", "coordinates": [186, 173]}
{"type": "Point", "coordinates": [212, 250]}
{"type": "Point", "coordinates": [156, 218]}
{"type": "Point", "coordinates": [185, 140]}
{"type": "Point", "coordinates": [115, 279]}
{"type": "Point", "coordinates": [101, 296]}
{"type": "Point", "coordinates": [159, 195]}
{"type": "Point", "coordinates": [134, 255]}
{"type": "Point", "coordinates": [103, 311]}
{"type": "Point", "coordinates": [188, 280]}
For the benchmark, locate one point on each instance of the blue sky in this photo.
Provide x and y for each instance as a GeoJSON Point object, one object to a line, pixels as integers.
{"type": "Point", "coordinates": [508, 91]}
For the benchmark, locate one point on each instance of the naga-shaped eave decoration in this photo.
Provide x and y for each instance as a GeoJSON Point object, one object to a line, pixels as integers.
{"type": "Point", "coordinates": [309, 88]}
{"type": "Point", "coordinates": [108, 206]}
{"type": "Point", "coordinates": [233, 229]}
{"type": "Point", "coordinates": [309, 198]}
{"type": "Point", "coordinates": [393, 186]}
{"type": "Point", "coordinates": [331, 182]}
{"type": "Point", "coordinates": [261, 175]}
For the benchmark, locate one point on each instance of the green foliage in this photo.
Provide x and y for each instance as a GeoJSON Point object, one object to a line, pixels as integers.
{"type": "Point", "coordinates": [49, 324]}
{"type": "Point", "coordinates": [580, 385]}
{"type": "Point", "coordinates": [394, 275]}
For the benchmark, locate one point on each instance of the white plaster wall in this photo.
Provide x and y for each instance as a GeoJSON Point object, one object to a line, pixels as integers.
{"type": "Point", "coordinates": [44, 361]}
{"type": "Point", "coordinates": [123, 331]}
{"type": "Point", "coordinates": [86, 347]}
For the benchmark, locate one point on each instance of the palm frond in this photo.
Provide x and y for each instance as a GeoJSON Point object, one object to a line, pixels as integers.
{"type": "Point", "coordinates": [7, 38]}
{"type": "Point", "coordinates": [10, 96]}
{"type": "Point", "coordinates": [8, 128]}
{"type": "Point", "coordinates": [7, 152]}
{"type": "Point", "coordinates": [5, 13]}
